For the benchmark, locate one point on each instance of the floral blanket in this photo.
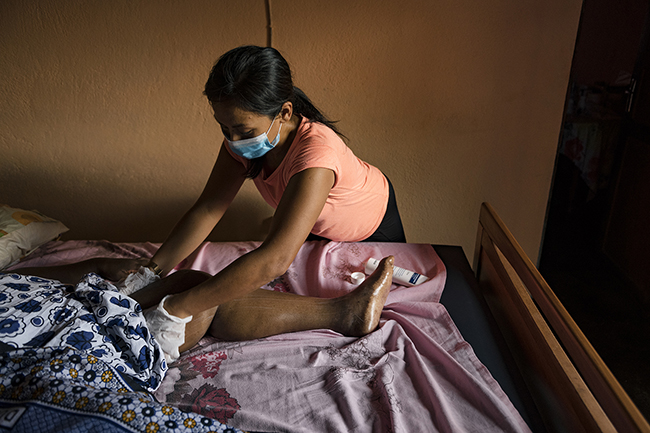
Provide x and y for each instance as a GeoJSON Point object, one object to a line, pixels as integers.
{"type": "Point", "coordinates": [91, 316]}
{"type": "Point", "coordinates": [81, 358]}
{"type": "Point", "coordinates": [66, 389]}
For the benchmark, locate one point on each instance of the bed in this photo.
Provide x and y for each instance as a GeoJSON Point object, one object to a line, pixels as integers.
{"type": "Point", "coordinates": [489, 349]}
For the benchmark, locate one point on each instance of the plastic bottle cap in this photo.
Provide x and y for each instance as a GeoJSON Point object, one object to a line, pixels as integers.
{"type": "Point", "coordinates": [357, 277]}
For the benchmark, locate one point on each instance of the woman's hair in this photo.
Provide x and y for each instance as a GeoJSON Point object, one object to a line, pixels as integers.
{"type": "Point", "coordinates": [258, 79]}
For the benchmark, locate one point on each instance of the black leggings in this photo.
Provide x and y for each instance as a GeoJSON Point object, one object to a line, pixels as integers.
{"type": "Point", "coordinates": [390, 229]}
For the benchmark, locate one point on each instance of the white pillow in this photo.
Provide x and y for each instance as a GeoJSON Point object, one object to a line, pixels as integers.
{"type": "Point", "coordinates": [21, 232]}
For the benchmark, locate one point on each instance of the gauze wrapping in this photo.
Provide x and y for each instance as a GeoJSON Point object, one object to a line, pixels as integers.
{"type": "Point", "coordinates": [137, 280]}
{"type": "Point", "coordinates": [168, 330]}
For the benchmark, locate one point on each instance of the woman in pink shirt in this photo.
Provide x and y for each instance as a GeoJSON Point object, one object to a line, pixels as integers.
{"type": "Point", "coordinates": [298, 161]}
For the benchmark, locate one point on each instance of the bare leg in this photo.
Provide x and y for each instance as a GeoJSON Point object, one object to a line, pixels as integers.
{"type": "Point", "coordinates": [263, 312]}
{"type": "Point", "coordinates": [177, 282]}
{"type": "Point", "coordinates": [259, 314]}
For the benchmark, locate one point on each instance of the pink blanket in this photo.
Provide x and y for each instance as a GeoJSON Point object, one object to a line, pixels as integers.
{"type": "Point", "coordinates": [415, 373]}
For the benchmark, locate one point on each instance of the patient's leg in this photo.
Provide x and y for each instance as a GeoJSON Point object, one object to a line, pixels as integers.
{"type": "Point", "coordinates": [151, 296]}
{"type": "Point", "coordinates": [264, 313]}
{"type": "Point", "coordinates": [259, 314]}
{"type": "Point", "coordinates": [177, 282]}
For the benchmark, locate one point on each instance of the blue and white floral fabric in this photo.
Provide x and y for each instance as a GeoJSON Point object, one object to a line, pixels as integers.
{"type": "Point", "coordinates": [93, 317]}
{"type": "Point", "coordinates": [51, 390]}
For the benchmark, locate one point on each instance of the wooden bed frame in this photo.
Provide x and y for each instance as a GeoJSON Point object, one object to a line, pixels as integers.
{"type": "Point", "coordinates": [571, 386]}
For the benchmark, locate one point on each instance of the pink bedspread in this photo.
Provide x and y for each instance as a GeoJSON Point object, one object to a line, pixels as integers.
{"type": "Point", "coordinates": [414, 374]}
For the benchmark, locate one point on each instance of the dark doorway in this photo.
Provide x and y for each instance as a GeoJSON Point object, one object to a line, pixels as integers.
{"type": "Point", "coordinates": [596, 248]}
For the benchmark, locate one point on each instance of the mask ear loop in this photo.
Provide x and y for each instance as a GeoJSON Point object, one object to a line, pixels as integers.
{"type": "Point", "coordinates": [271, 126]}
{"type": "Point", "coordinates": [277, 137]}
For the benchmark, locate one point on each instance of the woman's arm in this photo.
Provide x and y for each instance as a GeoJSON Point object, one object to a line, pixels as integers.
{"type": "Point", "coordinates": [225, 181]}
{"type": "Point", "coordinates": [300, 206]}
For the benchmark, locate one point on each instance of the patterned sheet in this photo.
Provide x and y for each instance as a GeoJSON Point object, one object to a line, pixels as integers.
{"type": "Point", "coordinates": [413, 374]}
{"type": "Point", "coordinates": [65, 389]}
{"type": "Point", "coordinates": [91, 316]}
{"type": "Point", "coordinates": [78, 350]}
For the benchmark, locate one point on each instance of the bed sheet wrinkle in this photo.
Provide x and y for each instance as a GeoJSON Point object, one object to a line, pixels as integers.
{"type": "Point", "coordinates": [424, 388]}
{"type": "Point", "coordinates": [212, 257]}
{"type": "Point", "coordinates": [460, 389]}
{"type": "Point", "coordinates": [453, 355]}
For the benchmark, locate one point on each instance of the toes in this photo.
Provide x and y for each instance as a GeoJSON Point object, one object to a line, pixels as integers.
{"type": "Point", "coordinates": [386, 264]}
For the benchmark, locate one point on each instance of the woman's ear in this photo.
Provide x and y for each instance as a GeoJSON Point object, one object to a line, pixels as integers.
{"type": "Point", "coordinates": [286, 112]}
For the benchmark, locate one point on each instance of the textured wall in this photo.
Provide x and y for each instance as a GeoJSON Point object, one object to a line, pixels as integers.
{"type": "Point", "coordinates": [104, 127]}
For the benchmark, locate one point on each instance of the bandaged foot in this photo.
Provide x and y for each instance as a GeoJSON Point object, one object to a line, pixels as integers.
{"type": "Point", "coordinates": [137, 280]}
{"type": "Point", "coordinates": [168, 330]}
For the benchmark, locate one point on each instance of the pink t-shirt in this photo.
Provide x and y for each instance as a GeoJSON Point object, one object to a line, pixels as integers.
{"type": "Point", "coordinates": [358, 200]}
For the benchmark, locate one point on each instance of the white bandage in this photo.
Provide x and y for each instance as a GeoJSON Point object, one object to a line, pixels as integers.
{"type": "Point", "coordinates": [168, 330]}
{"type": "Point", "coordinates": [137, 280]}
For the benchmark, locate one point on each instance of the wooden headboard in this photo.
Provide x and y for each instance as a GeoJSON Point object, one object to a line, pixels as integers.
{"type": "Point", "coordinates": [570, 384]}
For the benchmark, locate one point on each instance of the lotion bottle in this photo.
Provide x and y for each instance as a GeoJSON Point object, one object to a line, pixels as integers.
{"type": "Point", "coordinates": [400, 275]}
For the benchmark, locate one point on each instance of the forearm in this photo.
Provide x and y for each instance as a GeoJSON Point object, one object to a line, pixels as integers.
{"type": "Point", "coordinates": [301, 204]}
{"type": "Point", "coordinates": [225, 180]}
{"type": "Point", "coordinates": [186, 236]}
{"type": "Point", "coordinates": [244, 275]}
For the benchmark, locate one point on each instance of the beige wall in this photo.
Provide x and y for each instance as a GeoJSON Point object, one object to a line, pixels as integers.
{"type": "Point", "coordinates": [104, 127]}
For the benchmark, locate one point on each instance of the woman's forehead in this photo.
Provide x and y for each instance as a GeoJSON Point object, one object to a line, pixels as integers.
{"type": "Point", "coordinates": [234, 117]}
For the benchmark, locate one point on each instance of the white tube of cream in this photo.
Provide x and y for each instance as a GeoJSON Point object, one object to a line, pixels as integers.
{"type": "Point", "coordinates": [400, 275]}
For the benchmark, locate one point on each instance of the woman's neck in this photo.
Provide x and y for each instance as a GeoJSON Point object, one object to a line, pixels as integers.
{"type": "Point", "coordinates": [274, 158]}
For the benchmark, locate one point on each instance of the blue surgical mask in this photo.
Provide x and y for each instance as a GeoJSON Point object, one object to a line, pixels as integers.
{"type": "Point", "coordinates": [251, 148]}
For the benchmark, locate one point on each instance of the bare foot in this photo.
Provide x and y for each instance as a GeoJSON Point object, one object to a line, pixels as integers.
{"type": "Point", "coordinates": [361, 308]}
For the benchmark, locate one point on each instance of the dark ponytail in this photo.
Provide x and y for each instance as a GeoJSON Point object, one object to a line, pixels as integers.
{"type": "Point", "coordinates": [303, 106]}
{"type": "Point", "coordinates": [258, 79]}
